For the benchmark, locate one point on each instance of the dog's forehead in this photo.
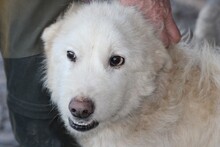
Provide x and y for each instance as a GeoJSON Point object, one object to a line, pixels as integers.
{"type": "Point", "coordinates": [85, 37]}
{"type": "Point", "coordinates": [102, 36]}
{"type": "Point", "coordinates": [106, 29]}
{"type": "Point", "coordinates": [98, 20]}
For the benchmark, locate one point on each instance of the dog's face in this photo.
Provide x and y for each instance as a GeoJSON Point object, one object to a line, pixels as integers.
{"type": "Point", "coordinates": [100, 62]}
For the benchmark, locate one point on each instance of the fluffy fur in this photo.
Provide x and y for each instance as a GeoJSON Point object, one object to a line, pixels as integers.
{"type": "Point", "coordinates": [158, 98]}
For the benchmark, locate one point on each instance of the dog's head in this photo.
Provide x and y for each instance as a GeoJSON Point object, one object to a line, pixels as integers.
{"type": "Point", "coordinates": [101, 59]}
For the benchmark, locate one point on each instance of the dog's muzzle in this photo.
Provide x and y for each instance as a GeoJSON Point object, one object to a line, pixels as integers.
{"type": "Point", "coordinates": [81, 109]}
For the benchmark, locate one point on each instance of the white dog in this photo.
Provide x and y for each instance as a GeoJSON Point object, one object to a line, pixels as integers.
{"type": "Point", "coordinates": [116, 85]}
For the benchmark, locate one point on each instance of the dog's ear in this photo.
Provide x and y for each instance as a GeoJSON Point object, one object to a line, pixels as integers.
{"type": "Point", "coordinates": [49, 33]}
{"type": "Point", "coordinates": [145, 81]}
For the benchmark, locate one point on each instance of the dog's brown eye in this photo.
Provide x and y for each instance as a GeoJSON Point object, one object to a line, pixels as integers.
{"type": "Point", "coordinates": [116, 61]}
{"type": "Point", "coordinates": [71, 55]}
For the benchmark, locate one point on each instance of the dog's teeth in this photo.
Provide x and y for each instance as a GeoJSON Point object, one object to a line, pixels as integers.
{"type": "Point", "coordinates": [83, 126]}
{"type": "Point", "coordinates": [80, 123]}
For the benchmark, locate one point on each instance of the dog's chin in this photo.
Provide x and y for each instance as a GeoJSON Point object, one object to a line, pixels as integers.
{"type": "Point", "coordinates": [82, 125]}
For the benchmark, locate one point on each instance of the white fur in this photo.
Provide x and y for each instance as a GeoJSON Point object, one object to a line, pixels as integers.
{"type": "Point", "coordinates": [158, 98]}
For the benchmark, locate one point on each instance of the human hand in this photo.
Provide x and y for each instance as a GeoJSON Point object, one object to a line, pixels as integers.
{"type": "Point", "coordinates": [159, 13]}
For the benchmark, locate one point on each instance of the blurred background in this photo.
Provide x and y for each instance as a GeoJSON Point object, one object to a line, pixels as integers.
{"type": "Point", "coordinates": [185, 13]}
{"type": "Point", "coordinates": [6, 136]}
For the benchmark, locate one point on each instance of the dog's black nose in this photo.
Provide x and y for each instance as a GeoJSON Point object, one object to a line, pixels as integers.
{"type": "Point", "coordinates": [81, 107]}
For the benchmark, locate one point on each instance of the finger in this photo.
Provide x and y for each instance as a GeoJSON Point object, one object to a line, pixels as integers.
{"type": "Point", "coordinates": [129, 2]}
{"type": "Point", "coordinates": [172, 30]}
{"type": "Point", "coordinates": [164, 38]}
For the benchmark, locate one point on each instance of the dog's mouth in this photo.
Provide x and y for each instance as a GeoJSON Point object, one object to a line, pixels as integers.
{"type": "Point", "coordinates": [83, 126]}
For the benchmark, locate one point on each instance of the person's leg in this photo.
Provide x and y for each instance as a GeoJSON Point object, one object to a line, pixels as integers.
{"type": "Point", "coordinates": [34, 120]}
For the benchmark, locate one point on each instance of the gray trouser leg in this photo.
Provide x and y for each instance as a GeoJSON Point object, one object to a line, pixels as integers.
{"type": "Point", "coordinates": [34, 120]}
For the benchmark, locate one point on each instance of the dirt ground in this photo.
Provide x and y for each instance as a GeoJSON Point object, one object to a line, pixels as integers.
{"type": "Point", "coordinates": [185, 13]}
